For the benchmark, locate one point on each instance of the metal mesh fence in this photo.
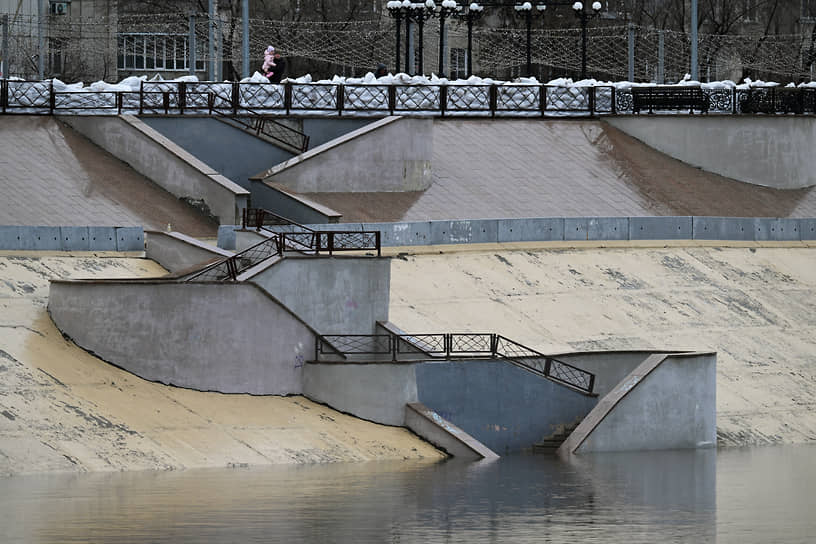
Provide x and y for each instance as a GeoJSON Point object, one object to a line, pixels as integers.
{"type": "Point", "coordinates": [88, 49]}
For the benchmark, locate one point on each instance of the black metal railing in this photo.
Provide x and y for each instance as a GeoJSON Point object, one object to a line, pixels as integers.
{"type": "Point", "coordinates": [413, 347]}
{"type": "Point", "coordinates": [304, 239]}
{"type": "Point", "coordinates": [230, 268]}
{"type": "Point", "coordinates": [262, 100]}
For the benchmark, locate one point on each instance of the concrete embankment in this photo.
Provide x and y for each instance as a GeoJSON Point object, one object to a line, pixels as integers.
{"type": "Point", "coordinates": [62, 409]}
{"type": "Point", "coordinates": [753, 305]}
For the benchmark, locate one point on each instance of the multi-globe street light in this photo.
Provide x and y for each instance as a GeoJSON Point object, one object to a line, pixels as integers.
{"type": "Point", "coordinates": [410, 11]}
{"type": "Point", "coordinates": [446, 9]}
{"type": "Point", "coordinates": [396, 11]}
{"type": "Point", "coordinates": [584, 17]}
{"type": "Point", "coordinates": [526, 9]}
{"type": "Point", "coordinates": [473, 13]}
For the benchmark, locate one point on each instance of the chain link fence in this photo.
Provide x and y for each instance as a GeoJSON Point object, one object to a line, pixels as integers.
{"type": "Point", "coordinates": [89, 49]}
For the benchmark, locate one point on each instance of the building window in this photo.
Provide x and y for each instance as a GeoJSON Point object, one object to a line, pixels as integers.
{"type": "Point", "coordinates": [458, 63]}
{"type": "Point", "coordinates": [155, 52]}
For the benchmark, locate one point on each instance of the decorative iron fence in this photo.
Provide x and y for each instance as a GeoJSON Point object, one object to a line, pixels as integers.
{"type": "Point", "coordinates": [228, 269]}
{"type": "Point", "coordinates": [264, 100]}
{"type": "Point", "coordinates": [413, 347]}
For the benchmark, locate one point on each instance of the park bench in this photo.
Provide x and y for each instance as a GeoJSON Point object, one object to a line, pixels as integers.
{"type": "Point", "coordinates": [669, 98]}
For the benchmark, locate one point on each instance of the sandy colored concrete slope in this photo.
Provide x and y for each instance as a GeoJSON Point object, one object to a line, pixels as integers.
{"type": "Point", "coordinates": [61, 409]}
{"type": "Point", "coordinates": [486, 169]}
{"type": "Point", "coordinates": [52, 176]}
{"type": "Point", "coordinates": [755, 306]}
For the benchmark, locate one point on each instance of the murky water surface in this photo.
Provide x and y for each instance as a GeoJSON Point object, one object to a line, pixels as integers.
{"type": "Point", "coordinates": [741, 496]}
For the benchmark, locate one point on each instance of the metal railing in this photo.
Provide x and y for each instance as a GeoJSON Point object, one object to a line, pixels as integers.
{"type": "Point", "coordinates": [263, 100]}
{"type": "Point", "coordinates": [230, 268]}
{"type": "Point", "coordinates": [304, 239]}
{"type": "Point", "coordinates": [413, 347]}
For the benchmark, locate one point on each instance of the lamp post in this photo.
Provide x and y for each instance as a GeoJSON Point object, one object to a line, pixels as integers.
{"type": "Point", "coordinates": [473, 13]}
{"type": "Point", "coordinates": [396, 11]}
{"type": "Point", "coordinates": [527, 10]}
{"type": "Point", "coordinates": [420, 13]}
{"type": "Point", "coordinates": [584, 17]}
{"type": "Point", "coordinates": [448, 8]}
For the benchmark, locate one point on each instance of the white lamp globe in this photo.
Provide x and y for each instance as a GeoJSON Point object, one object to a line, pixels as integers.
{"type": "Point", "coordinates": [541, 7]}
{"type": "Point", "coordinates": [430, 4]}
{"type": "Point", "coordinates": [596, 6]}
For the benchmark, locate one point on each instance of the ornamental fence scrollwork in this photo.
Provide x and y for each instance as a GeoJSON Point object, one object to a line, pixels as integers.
{"type": "Point", "coordinates": [373, 348]}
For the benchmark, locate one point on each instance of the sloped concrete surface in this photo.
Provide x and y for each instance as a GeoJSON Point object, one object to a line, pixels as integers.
{"type": "Point", "coordinates": [62, 409]}
{"type": "Point", "coordinates": [52, 176]}
{"type": "Point", "coordinates": [755, 306]}
{"type": "Point", "coordinates": [485, 169]}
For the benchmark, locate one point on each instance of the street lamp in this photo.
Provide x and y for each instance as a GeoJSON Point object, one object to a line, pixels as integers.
{"type": "Point", "coordinates": [396, 11]}
{"type": "Point", "coordinates": [527, 10]}
{"type": "Point", "coordinates": [448, 8]}
{"type": "Point", "coordinates": [584, 17]}
{"type": "Point", "coordinates": [420, 13]}
{"type": "Point", "coordinates": [473, 13]}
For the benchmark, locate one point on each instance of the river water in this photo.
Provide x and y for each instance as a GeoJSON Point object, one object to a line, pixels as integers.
{"type": "Point", "coordinates": [744, 496]}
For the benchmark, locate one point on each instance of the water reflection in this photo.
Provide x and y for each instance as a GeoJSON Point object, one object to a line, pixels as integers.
{"type": "Point", "coordinates": [639, 497]}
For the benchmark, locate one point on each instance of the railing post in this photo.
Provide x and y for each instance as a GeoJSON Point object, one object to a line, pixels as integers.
{"type": "Point", "coordinates": [448, 345]}
{"type": "Point", "coordinates": [4, 93]}
{"type": "Point", "coordinates": [330, 237]}
{"type": "Point", "coordinates": [592, 101]}
{"type": "Point", "coordinates": [393, 339]}
{"type": "Point", "coordinates": [182, 96]}
{"type": "Point", "coordinates": [377, 241]}
{"type": "Point", "coordinates": [734, 101]}
{"type": "Point", "coordinates": [493, 99]}
{"type": "Point", "coordinates": [141, 97]}
{"type": "Point", "coordinates": [119, 101]}
{"type": "Point", "coordinates": [614, 103]}
{"type": "Point", "coordinates": [542, 99]}
{"type": "Point", "coordinates": [52, 99]}
{"type": "Point", "coordinates": [166, 101]}
{"type": "Point", "coordinates": [443, 99]}
{"type": "Point", "coordinates": [547, 363]}
{"type": "Point", "coordinates": [494, 345]}
{"type": "Point", "coordinates": [210, 102]}
{"type": "Point", "coordinates": [317, 347]}
{"type": "Point", "coordinates": [340, 96]}
{"type": "Point", "coordinates": [236, 97]}
{"type": "Point", "coordinates": [392, 98]}
{"type": "Point", "coordinates": [287, 96]}
{"type": "Point", "coordinates": [591, 383]}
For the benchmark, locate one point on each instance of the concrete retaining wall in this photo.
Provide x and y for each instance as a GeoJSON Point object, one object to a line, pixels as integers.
{"type": "Point", "coordinates": [176, 251]}
{"type": "Point", "coordinates": [234, 153]}
{"type": "Point", "coordinates": [667, 402]}
{"type": "Point", "coordinates": [334, 295]}
{"type": "Point", "coordinates": [358, 161]}
{"type": "Point", "coordinates": [15, 237]}
{"type": "Point", "coordinates": [374, 391]}
{"type": "Point", "coordinates": [773, 151]}
{"type": "Point", "coordinates": [504, 407]}
{"type": "Point", "coordinates": [210, 336]}
{"type": "Point", "coordinates": [165, 163]}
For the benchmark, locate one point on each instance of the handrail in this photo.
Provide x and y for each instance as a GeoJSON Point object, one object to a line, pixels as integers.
{"type": "Point", "coordinates": [229, 268]}
{"type": "Point", "coordinates": [451, 346]}
{"type": "Point", "coordinates": [306, 239]}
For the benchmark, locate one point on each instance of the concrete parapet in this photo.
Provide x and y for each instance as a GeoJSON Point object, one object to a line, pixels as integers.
{"type": "Point", "coordinates": [176, 251]}
{"type": "Point", "coordinates": [165, 163]}
{"type": "Point", "coordinates": [444, 434]}
{"type": "Point", "coordinates": [531, 229]}
{"type": "Point", "coordinates": [667, 402]}
{"type": "Point", "coordinates": [596, 228]}
{"type": "Point", "coordinates": [14, 237]}
{"type": "Point", "coordinates": [358, 161]}
{"type": "Point", "coordinates": [204, 336]}
{"type": "Point", "coordinates": [660, 228]}
{"type": "Point", "coordinates": [772, 151]}
{"type": "Point", "coordinates": [335, 295]}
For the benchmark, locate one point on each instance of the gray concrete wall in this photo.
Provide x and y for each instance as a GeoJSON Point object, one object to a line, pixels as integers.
{"type": "Point", "coordinates": [234, 153]}
{"type": "Point", "coordinates": [667, 405]}
{"type": "Point", "coordinates": [374, 391]}
{"type": "Point", "coordinates": [14, 237]}
{"type": "Point", "coordinates": [231, 338]}
{"type": "Point", "coordinates": [294, 207]}
{"type": "Point", "coordinates": [322, 130]}
{"type": "Point", "coordinates": [334, 295]}
{"type": "Point", "coordinates": [609, 367]}
{"type": "Point", "coordinates": [358, 161]}
{"type": "Point", "coordinates": [165, 163]}
{"type": "Point", "coordinates": [504, 407]}
{"type": "Point", "coordinates": [176, 251]}
{"type": "Point", "coordinates": [443, 434]}
{"type": "Point", "coordinates": [773, 151]}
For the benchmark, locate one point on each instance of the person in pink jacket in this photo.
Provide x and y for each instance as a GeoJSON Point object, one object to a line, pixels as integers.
{"type": "Point", "coordinates": [269, 62]}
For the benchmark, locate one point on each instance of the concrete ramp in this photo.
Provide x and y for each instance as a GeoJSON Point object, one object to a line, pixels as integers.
{"type": "Point", "coordinates": [52, 176]}
{"type": "Point", "coordinates": [555, 168]}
